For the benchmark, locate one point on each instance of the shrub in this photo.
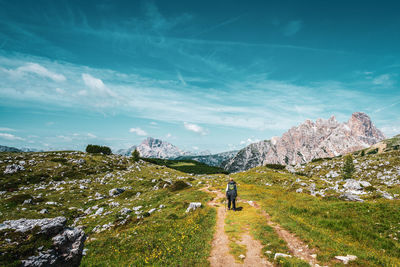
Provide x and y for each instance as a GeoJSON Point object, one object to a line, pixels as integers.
{"type": "Point", "coordinates": [95, 149]}
{"type": "Point", "coordinates": [135, 155]}
{"type": "Point", "coordinates": [362, 153]}
{"type": "Point", "coordinates": [275, 166]}
{"type": "Point", "coordinates": [373, 151]}
{"type": "Point", "coordinates": [348, 167]}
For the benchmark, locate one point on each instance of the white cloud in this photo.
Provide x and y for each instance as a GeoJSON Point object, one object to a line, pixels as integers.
{"type": "Point", "coordinates": [194, 128]}
{"type": "Point", "coordinates": [8, 136]}
{"type": "Point", "coordinates": [168, 135]}
{"type": "Point", "coordinates": [97, 85]}
{"type": "Point", "coordinates": [91, 135]}
{"type": "Point", "coordinates": [5, 129]}
{"type": "Point", "coordinates": [41, 71]}
{"type": "Point", "coordinates": [195, 147]}
{"type": "Point", "coordinates": [138, 131]}
{"type": "Point", "coordinates": [292, 27]}
{"type": "Point", "coordinates": [63, 137]}
{"type": "Point", "coordinates": [384, 80]}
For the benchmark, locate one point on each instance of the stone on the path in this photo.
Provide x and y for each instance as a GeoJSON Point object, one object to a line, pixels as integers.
{"type": "Point", "coordinates": [346, 259]}
{"type": "Point", "coordinates": [241, 256]}
{"type": "Point", "coordinates": [277, 255]}
{"type": "Point", "coordinates": [193, 206]}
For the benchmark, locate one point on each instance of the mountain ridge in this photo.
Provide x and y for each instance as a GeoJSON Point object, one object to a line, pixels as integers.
{"type": "Point", "coordinates": [309, 140]}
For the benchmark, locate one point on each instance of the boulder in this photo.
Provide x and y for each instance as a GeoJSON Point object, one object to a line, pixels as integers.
{"type": "Point", "coordinates": [67, 243]}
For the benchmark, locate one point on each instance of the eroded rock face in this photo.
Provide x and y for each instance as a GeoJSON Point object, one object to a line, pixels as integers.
{"type": "Point", "coordinates": [67, 243]}
{"type": "Point", "coordinates": [309, 140]}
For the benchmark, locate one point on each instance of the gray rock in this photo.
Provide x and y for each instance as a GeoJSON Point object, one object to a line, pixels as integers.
{"type": "Point", "coordinates": [115, 192]}
{"type": "Point", "coordinates": [13, 168]}
{"type": "Point", "coordinates": [346, 259]}
{"type": "Point", "coordinates": [125, 211]}
{"type": "Point", "coordinates": [67, 242]}
{"type": "Point", "coordinates": [351, 197]}
{"type": "Point", "coordinates": [47, 226]}
{"type": "Point", "coordinates": [43, 211]}
{"type": "Point", "coordinates": [193, 206]}
{"type": "Point", "coordinates": [277, 255]}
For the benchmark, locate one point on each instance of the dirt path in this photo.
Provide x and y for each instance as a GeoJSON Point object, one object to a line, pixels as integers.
{"type": "Point", "coordinates": [296, 246]}
{"type": "Point", "coordinates": [220, 255]}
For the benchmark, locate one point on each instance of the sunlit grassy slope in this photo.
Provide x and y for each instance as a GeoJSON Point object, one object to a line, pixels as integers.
{"type": "Point", "coordinates": [160, 233]}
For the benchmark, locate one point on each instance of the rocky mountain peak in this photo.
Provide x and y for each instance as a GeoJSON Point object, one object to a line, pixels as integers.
{"type": "Point", "coordinates": [362, 126]}
{"type": "Point", "coordinates": [310, 140]}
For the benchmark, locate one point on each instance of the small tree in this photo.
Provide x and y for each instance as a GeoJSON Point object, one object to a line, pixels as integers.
{"type": "Point", "coordinates": [362, 153]}
{"type": "Point", "coordinates": [348, 167]}
{"type": "Point", "coordinates": [135, 155]}
{"type": "Point", "coordinates": [95, 149]}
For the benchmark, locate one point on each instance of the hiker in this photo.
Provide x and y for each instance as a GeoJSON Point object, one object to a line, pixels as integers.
{"type": "Point", "coordinates": [231, 194]}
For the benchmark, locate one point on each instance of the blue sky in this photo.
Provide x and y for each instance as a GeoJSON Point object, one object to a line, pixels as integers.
{"type": "Point", "coordinates": [203, 75]}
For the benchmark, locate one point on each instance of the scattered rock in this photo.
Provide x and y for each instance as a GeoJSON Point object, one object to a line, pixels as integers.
{"type": "Point", "coordinates": [193, 206]}
{"type": "Point", "coordinates": [351, 197]}
{"type": "Point", "coordinates": [43, 211]}
{"type": "Point", "coordinates": [241, 256]}
{"type": "Point", "coordinates": [125, 211]}
{"type": "Point", "coordinates": [115, 192]}
{"type": "Point", "coordinates": [13, 168]}
{"type": "Point", "coordinates": [277, 255]}
{"type": "Point", "coordinates": [346, 259]}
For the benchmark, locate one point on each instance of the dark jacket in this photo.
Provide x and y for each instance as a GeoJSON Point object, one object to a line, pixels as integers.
{"type": "Point", "coordinates": [231, 189]}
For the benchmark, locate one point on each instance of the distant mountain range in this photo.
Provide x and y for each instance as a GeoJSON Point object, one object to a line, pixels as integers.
{"type": "Point", "coordinates": [14, 149]}
{"type": "Point", "coordinates": [309, 140]}
{"type": "Point", "coordinates": [301, 144]}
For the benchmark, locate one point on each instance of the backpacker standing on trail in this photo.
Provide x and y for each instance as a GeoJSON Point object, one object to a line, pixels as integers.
{"type": "Point", "coordinates": [231, 194]}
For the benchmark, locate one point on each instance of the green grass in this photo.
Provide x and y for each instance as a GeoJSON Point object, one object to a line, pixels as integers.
{"type": "Point", "coordinates": [187, 166]}
{"type": "Point", "coordinates": [335, 227]}
{"type": "Point", "coordinates": [167, 237]}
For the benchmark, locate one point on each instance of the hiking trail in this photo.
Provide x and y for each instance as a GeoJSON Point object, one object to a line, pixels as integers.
{"type": "Point", "coordinates": [220, 251]}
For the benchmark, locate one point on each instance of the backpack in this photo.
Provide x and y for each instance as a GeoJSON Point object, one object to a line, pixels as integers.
{"type": "Point", "coordinates": [231, 187]}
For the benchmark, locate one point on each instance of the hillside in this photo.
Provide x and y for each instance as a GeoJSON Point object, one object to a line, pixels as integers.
{"type": "Point", "coordinates": [217, 160]}
{"type": "Point", "coordinates": [136, 213]}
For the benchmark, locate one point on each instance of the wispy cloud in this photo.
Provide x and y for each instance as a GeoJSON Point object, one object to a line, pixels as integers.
{"type": "Point", "coordinates": [383, 80]}
{"type": "Point", "coordinates": [138, 131]}
{"type": "Point", "coordinates": [11, 137]}
{"type": "Point", "coordinates": [194, 128]}
{"type": "Point", "coordinates": [5, 129]}
{"type": "Point", "coordinates": [97, 85]}
{"type": "Point", "coordinates": [41, 71]}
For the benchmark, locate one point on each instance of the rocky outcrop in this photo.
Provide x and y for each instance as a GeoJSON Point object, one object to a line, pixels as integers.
{"type": "Point", "coordinates": [66, 243]}
{"type": "Point", "coordinates": [249, 157]}
{"type": "Point", "coordinates": [310, 140]}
